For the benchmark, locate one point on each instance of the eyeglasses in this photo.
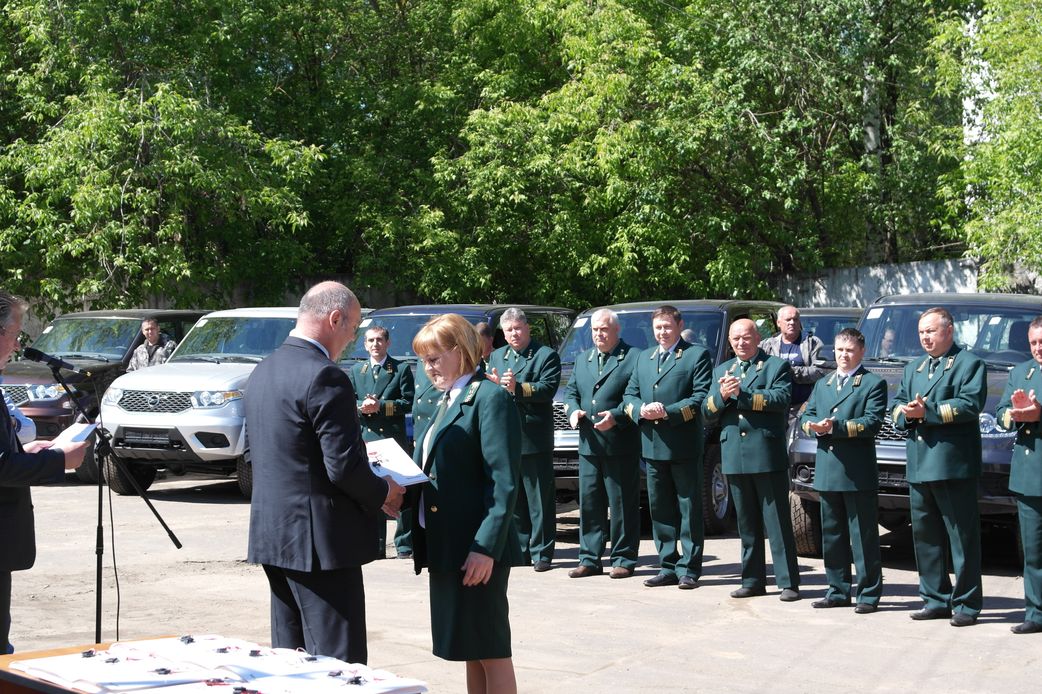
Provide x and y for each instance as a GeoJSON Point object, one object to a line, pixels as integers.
{"type": "Point", "coordinates": [432, 362]}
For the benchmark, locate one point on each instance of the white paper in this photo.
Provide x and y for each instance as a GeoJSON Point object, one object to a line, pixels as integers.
{"type": "Point", "coordinates": [388, 459]}
{"type": "Point", "coordinates": [76, 432]}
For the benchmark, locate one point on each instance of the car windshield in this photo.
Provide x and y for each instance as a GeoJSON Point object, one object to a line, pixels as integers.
{"type": "Point", "coordinates": [401, 329]}
{"type": "Point", "coordinates": [826, 327]}
{"type": "Point", "coordinates": [636, 332]}
{"type": "Point", "coordinates": [233, 338]}
{"type": "Point", "coordinates": [98, 338]}
{"type": "Point", "coordinates": [997, 334]}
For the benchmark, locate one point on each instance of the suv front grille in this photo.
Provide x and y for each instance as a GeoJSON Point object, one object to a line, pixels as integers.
{"type": "Point", "coordinates": [889, 433]}
{"type": "Point", "coordinates": [560, 418]}
{"type": "Point", "coordinates": [155, 401]}
{"type": "Point", "coordinates": [18, 394]}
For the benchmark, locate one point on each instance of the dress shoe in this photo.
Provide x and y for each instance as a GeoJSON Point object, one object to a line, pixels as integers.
{"type": "Point", "coordinates": [789, 595]}
{"type": "Point", "coordinates": [930, 613]}
{"type": "Point", "coordinates": [961, 619]}
{"type": "Point", "coordinates": [405, 555]}
{"type": "Point", "coordinates": [541, 566]}
{"type": "Point", "coordinates": [687, 583]}
{"type": "Point", "coordinates": [582, 571]}
{"type": "Point", "coordinates": [825, 604]}
{"type": "Point", "coordinates": [661, 580]}
{"type": "Point", "coordinates": [620, 572]}
{"type": "Point", "coordinates": [1027, 627]}
{"type": "Point", "coordinates": [865, 608]}
{"type": "Point", "coordinates": [744, 592]}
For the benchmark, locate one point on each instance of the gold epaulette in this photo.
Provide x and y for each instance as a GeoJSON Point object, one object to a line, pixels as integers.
{"type": "Point", "coordinates": [711, 404]}
{"type": "Point", "coordinates": [1007, 420]}
{"type": "Point", "coordinates": [389, 408]}
{"type": "Point", "coordinates": [526, 389]}
{"type": "Point", "coordinates": [758, 401]}
{"type": "Point", "coordinates": [854, 428]}
{"type": "Point", "coordinates": [947, 412]}
{"type": "Point", "coordinates": [686, 413]}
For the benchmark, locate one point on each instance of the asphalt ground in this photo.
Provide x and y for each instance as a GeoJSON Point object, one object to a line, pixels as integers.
{"type": "Point", "coordinates": [593, 634]}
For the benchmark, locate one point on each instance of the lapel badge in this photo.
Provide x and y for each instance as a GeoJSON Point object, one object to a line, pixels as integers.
{"type": "Point", "coordinates": [677, 353]}
{"type": "Point", "coordinates": [472, 391]}
{"type": "Point", "coordinates": [922, 365]}
{"type": "Point", "coordinates": [759, 365]}
{"type": "Point", "coordinates": [1030, 371]}
{"type": "Point", "coordinates": [831, 378]}
{"type": "Point", "coordinates": [951, 360]}
{"type": "Point", "coordinates": [365, 368]}
{"type": "Point", "coordinates": [857, 380]}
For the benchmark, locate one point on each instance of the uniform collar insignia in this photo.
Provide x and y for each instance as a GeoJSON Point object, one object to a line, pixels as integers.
{"type": "Point", "coordinates": [759, 365]}
{"type": "Point", "coordinates": [676, 354]}
{"type": "Point", "coordinates": [365, 368]}
{"type": "Point", "coordinates": [857, 379]}
{"type": "Point", "coordinates": [472, 391]}
{"type": "Point", "coordinates": [951, 360]}
{"type": "Point", "coordinates": [1030, 371]}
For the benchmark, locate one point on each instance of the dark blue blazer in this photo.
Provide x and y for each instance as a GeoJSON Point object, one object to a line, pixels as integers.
{"type": "Point", "coordinates": [316, 502]}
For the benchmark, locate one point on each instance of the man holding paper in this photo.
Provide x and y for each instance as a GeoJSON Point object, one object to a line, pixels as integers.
{"type": "Point", "coordinates": [316, 504]}
{"type": "Point", "coordinates": [38, 462]}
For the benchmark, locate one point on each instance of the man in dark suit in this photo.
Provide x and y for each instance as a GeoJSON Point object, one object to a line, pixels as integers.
{"type": "Point", "coordinates": [845, 411]}
{"type": "Point", "coordinates": [939, 403]}
{"type": "Point", "coordinates": [750, 401]}
{"type": "Point", "coordinates": [609, 450]}
{"type": "Point", "coordinates": [36, 463]}
{"type": "Point", "coordinates": [316, 506]}
{"type": "Point", "coordinates": [664, 395]}
{"type": "Point", "coordinates": [1019, 410]}
{"type": "Point", "coordinates": [384, 391]}
{"type": "Point", "coordinates": [531, 373]}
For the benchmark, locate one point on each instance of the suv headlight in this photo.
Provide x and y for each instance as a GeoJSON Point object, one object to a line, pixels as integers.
{"type": "Point", "coordinates": [989, 428]}
{"type": "Point", "coordinates": [49, 391]}
{"type": "Point", "coordinates": [214, 398]}
{"type": "Point", "coordinates": [112, 396]}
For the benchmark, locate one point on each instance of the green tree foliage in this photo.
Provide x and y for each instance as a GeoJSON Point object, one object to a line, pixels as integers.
{"type": "Point", "coordinates": [994, 56]}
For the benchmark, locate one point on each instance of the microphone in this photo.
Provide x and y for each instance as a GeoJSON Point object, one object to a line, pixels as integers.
{"type": "Point", "coordinates": [53, 362]}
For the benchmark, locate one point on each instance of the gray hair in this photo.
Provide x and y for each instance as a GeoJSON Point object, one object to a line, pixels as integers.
{"type": "Point", "coordinates": [11, 309]}
{"type": "Point", "coordinates": [945, 315]}
{"type": "Point", "coordinates": [514, 315]}
{"type": "Point", "coordinates": [326, 297]}
{"type": "Point", "coordinates": [613, 318]}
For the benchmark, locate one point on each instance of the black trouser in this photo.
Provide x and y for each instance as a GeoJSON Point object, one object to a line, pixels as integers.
{"type": "Point", "coordinates": [322, 612]}
{"type": "Point", "coordinates": [5, 611]}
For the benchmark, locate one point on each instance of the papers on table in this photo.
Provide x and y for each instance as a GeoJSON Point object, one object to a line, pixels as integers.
{"type": "Point", "coordinates": [74, 434]}
{"type": "Point", "coordinates": [199, 663]}
{"type": "Point", "coordinates": [388, 459]}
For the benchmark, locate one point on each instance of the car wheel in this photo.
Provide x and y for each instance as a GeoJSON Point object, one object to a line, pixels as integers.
{"type": "Point", "coordinates": [88, 472]}
{"type": "Point", "coordinates": [717, 511]}
{"type": "Point", "coordinates": [120, 482]}
{"type": "Point", "coordinates": [244, 474]}
{"type": "Point", "coordinates": [806, 525]}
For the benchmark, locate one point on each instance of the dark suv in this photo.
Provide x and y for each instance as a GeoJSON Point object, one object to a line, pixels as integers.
{"type": "Point", "coordinates": [708, 319]}
{"type": "Point", "coordinates": [992, 326]}
{"type": "Point", "coordinates": [100, 342]}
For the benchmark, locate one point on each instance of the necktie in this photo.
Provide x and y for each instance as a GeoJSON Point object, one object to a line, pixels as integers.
{"type": "Point", "coordinates": [934, 361]}
{"type": "Point", "coordinates": [662, 356]}
{"type": "Point", "coordinates": [376, 372]}
{"type": "Point", "coordinates": [744, 366]}
{"type": "Point", "coordinates": [443, 407]}
{"type": "Point", "coordinates": [842, 381]}
{"type": "Point", "coordinates": [602, 359]}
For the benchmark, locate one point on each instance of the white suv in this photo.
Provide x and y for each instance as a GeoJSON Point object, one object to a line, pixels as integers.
{"type": "Point", "coordinates": [187, 414]}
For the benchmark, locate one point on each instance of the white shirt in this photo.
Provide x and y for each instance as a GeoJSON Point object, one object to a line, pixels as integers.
{"type": "Point", "coordinates": [295, 333]}
{"type": "Point", "coordinates": [672, 347]}
{"type": "Point", "coordinates": [457, 387]}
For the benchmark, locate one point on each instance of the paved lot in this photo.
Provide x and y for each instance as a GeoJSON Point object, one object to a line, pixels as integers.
{"type": "Point", "coordinates": [594, 634]}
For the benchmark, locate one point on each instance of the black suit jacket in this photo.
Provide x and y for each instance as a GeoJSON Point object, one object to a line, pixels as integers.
{"type": "Point", "coordinates": [18, 470]}
{"type": "Point", "coordinates": [316, 502]}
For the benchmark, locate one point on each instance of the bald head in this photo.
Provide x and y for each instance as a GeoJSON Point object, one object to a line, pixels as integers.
{"type": "Point", "coordinates": [329, 313]}
{"type": "Point", "coordinates": [744, 338]}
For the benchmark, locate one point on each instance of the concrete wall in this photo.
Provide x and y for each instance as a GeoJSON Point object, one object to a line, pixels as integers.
{"type": "Point", "coordinates": [860, 286]}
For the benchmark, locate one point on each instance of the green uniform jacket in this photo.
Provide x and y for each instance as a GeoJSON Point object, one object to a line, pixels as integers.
{"type": "Point", "coordinates": [474, 465]}
{"type": "Point", "coordinates": [680, 386]}
{"type": "Point", "coordinates": [846, 458]}
{"type": "Point", "coordinates": [752, 426]}
{"type": "Point", "coordinates": [393, 387]}
{"type": "Point", "coordinates": [1025, 476]}
{"type": "Point", "coordinates": [596, 392]}
{"type": "Point", "coordinates": [424, 403]}
{"type": "Point", "coordinates": [537, 371]}
{"type": "Point", "coordinates": [945, 444]}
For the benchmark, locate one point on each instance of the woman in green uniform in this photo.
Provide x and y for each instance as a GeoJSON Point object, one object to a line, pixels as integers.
{"type": "Point", "coordinates": [463, 529]}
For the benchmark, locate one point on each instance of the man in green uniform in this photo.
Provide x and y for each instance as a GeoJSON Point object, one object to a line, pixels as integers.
{"type": "Point", "coordinates": [664, 396]}
{"type": "Point", "coordinates": [384, 391]}
{"type": "Point", "coordinates": [531, 373]}
{"type": "Point", "coordinates": [750, 401]}
{"type": "Point", "coordinates": [609, 449]}
{"type": "Point", "coordinates": [939, 403]}
{"type": "Point", "coordinates": [1019, 410]}
{"type": "Point", "coordinates": [845, 411]}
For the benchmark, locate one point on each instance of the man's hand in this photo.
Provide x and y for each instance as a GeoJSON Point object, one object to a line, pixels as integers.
{"type": "Point", "coordinates": [477, 569]}
{"type": "Point", "coordinates": [652, 411]}
{"type": "Point", "coordinates": [606, 421]}
{"type": "Point", "coordinates": [393, 503]}
{"type": "Point", "coordinates": [74, 452]}
{"type": "Point", "coordinates": [573, 420]}
{"type": "Point", "coordinates": [822, 427]}
{"type": "Point", "coordinates": [369, 405]}
{"type": "Point", "coordinates": [730, 387]}
{"type": "Point", "coordinates": [916, 409]}
{"type": "Point", "coordinates": [1026, 407]}
{"type": "Point", "coordinates": [492, 375]}
{"type": "Point", "coordinates": [508, 382]}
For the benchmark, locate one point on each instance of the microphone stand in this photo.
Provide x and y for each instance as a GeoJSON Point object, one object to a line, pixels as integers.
{"type": "Point", "coordinates": [102, 451]}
